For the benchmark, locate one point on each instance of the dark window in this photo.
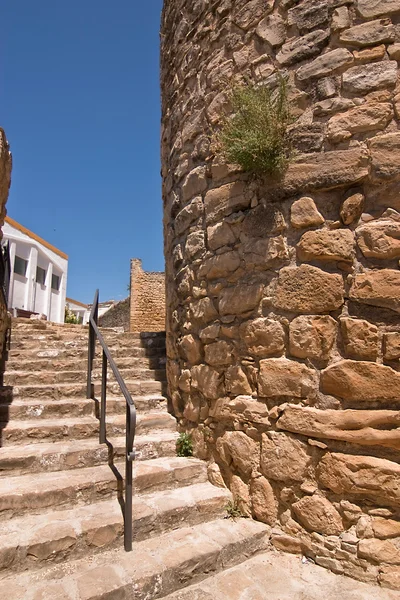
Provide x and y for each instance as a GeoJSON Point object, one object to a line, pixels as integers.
{"type": "Point", "coordinates": [40, 275]}
{"type": "Point", "coordinates": [55, 282]}
{"type": "Point", "coordinates": [20, 266]}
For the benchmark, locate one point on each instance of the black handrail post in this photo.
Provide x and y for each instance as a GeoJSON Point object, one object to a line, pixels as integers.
{"type": "Point", "coordinates": [92, 344]}
{"type": "Point", "coordinates": [130, 455]}
{"type": "Point", "coordinates": [103, 399]}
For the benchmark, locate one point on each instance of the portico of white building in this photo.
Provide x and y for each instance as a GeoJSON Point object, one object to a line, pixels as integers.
{"type": "Point", "coordinates": [38, 281]}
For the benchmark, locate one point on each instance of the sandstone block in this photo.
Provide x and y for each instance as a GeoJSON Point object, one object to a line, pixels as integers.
{"type": "Point", "coordinates": [379, 551]}
{"type": "Point", "coordinates": [262, 221]}
{"type": "Point", "coordinates": [361, 476]}
{"type": "Point", "coordinates": [370, 33]}
{"type": "Point", "coordinates": [307, 289]}
{"type": "Point", "coordinates": [220, 235]}
{"type": "Point", "coordinates": [283, 377]}
{"type": "Point", "coordinates": [394, 51]}
{"type": "Point", "coordinates": [391, 346]}
{"type": "Point", "coordinates": [194, 184]}
{"type": "Point", "coordinates": [240, 299]}
{"type": "Point", "coordinates": [385, 528]}
{"type": "Point", "coordinates": [332, 105]}
{"type": "Point", "coordinates": [263, 501]}
{"type": "Point", "coordinates": [188, 215]}
{"type": "Point", "coordinates": [220, 266]}
{"type": "Point", "coordinates": [195, 244]}
{"type": "Point", "coordinates": [316, 513]}
{"type": "Point", "coordinates": [374, 76]}
{"type": "Point", "coordinates": [263, 337]}
{"type": "Point", "coordinates": [272, 29]}
{"type": "Point", "coordinates": [265, 253]}
{"type": "Point", "coordinates": [210, 333]}
{"type": "Point", "coordinates": [303, 47]}
{"type": "Point", "coordinates": [238, 448]}
{"type": "Point", "coordinates": [360, 338]}
{"type": "Point", "coordinates": [218, 354]}
{"type": "Point", "coordinates": [251, 12]}
{"type": "Point", "coordinates": [367, 117]}
{"type": "Point", "coordinates": [307, 16]}
{"type": "Point", "coordinates": [241, 496]}
{"type": "Point", "coordinates": [236, 381]}
{"type": "Point", "coordinates": [283, 458]}
{"type": "Point", "coordinates": [191, 349]}
{"type": "Point", "coordinates": [214, 475]}
{"type": "Point", "coordinates": [374, 8]}
{"type": "Point", "coordinates": [327, 245]}
{"type": "Point", "coordinates": [361, 381]}
{"type": "Point", "coordinates": [325, 64]}
{"type": "Point", "coordinates": [377, 288]}
{"type": "Point", "coordinates": [207, 380]}
{"type": "Point", "coordinates": [352, 208]}
{"type": "Point", "coordinates": [380, 239]}
{"type": "Point", "coordinates": [340, 18]}
{"type": "Point", "coordinates": [240, 409]}
{"type": "Point", "coordinates": [225, 200]}
{"type": "Point", "coordinates": [368, 55]}
{"type": "Point", "coordinates": [304, 213]}
{"type": "Point", "coordinates": [389, 577]}
{"type": "Point", "coordinates": [203, 310]}
{"type": "Point", "coordinates": [385, 153]}
{"type": "Point", "coordinates": [312, 336]}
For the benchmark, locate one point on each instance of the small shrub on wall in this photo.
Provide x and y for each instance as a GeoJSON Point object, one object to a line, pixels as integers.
{"type": "Point", "coordinates": [255, 137]}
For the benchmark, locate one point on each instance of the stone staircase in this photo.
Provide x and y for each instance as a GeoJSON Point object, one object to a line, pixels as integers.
{"type": "Point", "coordinates": [61, 526]}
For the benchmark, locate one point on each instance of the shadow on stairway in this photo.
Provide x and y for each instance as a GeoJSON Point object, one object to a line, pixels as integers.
{"type": "Point", "coordinates": [6, 398]}
{"type": "Point", "coordinates": [153, 343]}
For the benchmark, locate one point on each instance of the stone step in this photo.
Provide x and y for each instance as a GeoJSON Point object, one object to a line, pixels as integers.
{"type": "Point", "coordinates": [36, 492]}
{"type": "Point", "coordinates": [62, 456]}
{"type": "Point", "coordinates": [60, 391]}
{"type": "Point", "coordinates": [78, 428]}
{"type": "Point", "coordinates": [78, 376]}
{"type": "Point", "coordinates": [76, 341]}
{"type": "Point", "coordinates": [51, 364]}
{"type": "Point", "coordinates": [22, 355]}
{"type": "Point", "coordinates": [45, 409]}
{"type": "Point", "coordinates": [32, 541]}
{"type": "Point", "coordinates": [155, 568]}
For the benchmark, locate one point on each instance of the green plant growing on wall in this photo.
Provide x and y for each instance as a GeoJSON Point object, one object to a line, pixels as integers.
{"type": "Point", "coordinates": [69, 317]}
{"type": "Point", "coordinates": [184, 445]}
{"type": "Point", "coordinates": [256, 137]}
{"type": "Point", "coordinates": [233, 510]}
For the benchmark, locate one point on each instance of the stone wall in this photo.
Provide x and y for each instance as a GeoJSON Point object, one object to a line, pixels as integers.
{"type": "Point", "coordinates": [283, 332]}
{"type": "Point", "coordinates": [5, 182]}
{"type": "Point", "coordinates": [118, 315]}
{"type": "Point", "coordinates": [147, 312]}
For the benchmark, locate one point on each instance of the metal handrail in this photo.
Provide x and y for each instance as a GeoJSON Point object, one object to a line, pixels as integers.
{"type": "Point", "coordinates": [5, 273]}
{"type": "Point", "coordinates": [94, 333]}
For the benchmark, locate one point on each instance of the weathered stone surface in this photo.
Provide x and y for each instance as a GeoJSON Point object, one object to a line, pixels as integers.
{"type": "Point", "coordinates": [220, 265]}
{"type": "Point", "coordinates": [218, 354]}
{"type": "Point", "coordinates": [325, 64]}
{"type": "Point", "coordinates": [225, 200]}
{"type": "Point", "coordinates": [250, 13]}
{"type": "Point", "coordinates": [194, 184]}
{"type": "Point", "coordinates": [361, 381]}
{"type": "Point", "coordinates": [360, 338]}
{"type": "Point", "coordinates": [379, 551]}
{"type": "Point", "coordinates": [391, 346]}
{"type": "Point", "coordinates": [263, 337]}
{"type": "Point", "coordinates": [304, 213]}
{"type": "Point", "coordinates": [368, 55]}
{"type": "Point", "coordinates": [316, 513]}
{"type": "Point", "coordinates": [374, 76]}
{"type": "Point", "coordinates": [332, 105]}
{"type": "Point", "coordinates": [188, 215]}
{"type": "Point", "coordinates": [272, 29]}
{"type": "Point", "coordinates": [207, 380]}
{"type": "Point", "coordinates": [362, 476]}
{"type": "Point", "coordinates": [394, 51]}
{"type": "Point", "coordinates": [380, 239]}
{"type": "Point", "coordinates": [210, 333]}
{"type": "Point", "coordinates": [190, 349]}
{"type": "Point", "coordinates": [241, 495]}
{"type": "Point", "coordinates": [385, 153]}
{"type": "Point", "coordinates": [239, 409]}
{"type": "Point", "coordinates": [377, 288]}
{"type": "Point", "coordinates": [283, 458]}
{"type": "Point", "coordinates": [220, 235]}
{"type": "Point", "coordinates": [307, 16]}
{"type": "Point", "coordinates": [374, 8]}
{"type": "Point", "coordinates": [283, 377]}
{"type": "Point", "coordinates": [312, 336]}
{"type": "Point", "coordinates": [214, 475]}
{"type": "Point", "coordinates": [195, 244]}
{"type": "Point", "coordinates": [352, 208]}
{"type": "Point", "coordinates": [370, 33]}
{"type": "Point", "coordinates": [367, 117]}
{"type": "Point", "coordinates": [362, 427]}
{"type": "Point", "coordinates": [265, 253]}
{"type": "Point", "coordinates": [263, 501]}
{"type": "Point", "coordinates": [307, 289]}
{"type": "Point", "coordinates": [385, 528]}
{"type": "Point", "coordinates": [389, 577]}
{"type": "Point", "coordinates": [327, 245]}
{"type": "Point", "coordinates": [203, 310]}
{"type": "Point", "coordinates": [240, 299]}
{"type": "Point", "coordinates": [262, 221]}
{"type": "Point", "coordinates": [238, 448]}
{"type": "Point", "coordinates": [340, 18]}
{"type": "Point", "coordinates": [236, 381]}
{"type": "Point", "coordinates": [299, 49]}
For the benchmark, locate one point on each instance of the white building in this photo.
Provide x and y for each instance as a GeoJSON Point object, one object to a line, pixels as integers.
{"type": "Point", "coordinates": [80, 310]}
{"type": "Point", "coordinates": [38, 280]}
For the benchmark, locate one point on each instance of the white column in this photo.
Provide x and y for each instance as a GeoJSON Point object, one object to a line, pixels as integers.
{"type": "Point", "coordinates": [48, 290]}
{"type": "Point", "coordinates": [31, 277]}
{"type": "Point", "coordinates": [13, 250]}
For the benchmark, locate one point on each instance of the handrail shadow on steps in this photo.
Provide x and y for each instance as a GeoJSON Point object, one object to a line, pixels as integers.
{"type": "Point", "coordinates": [94, 333]}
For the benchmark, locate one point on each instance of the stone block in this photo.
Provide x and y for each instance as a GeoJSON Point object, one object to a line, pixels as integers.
{"type": "Point", "coordinates": [325, 64]}
{"type": "Point", "coordinates": [370, 33]}
{"type": "Point", "coordinates": [377, 288]}
{"type": "Point", "coordinates": [385, 154]}
{"type": "Point", "coordinates": [299, 49]}
{"type": "Point", "coordinates": [236, 382]}
{"type": "Point", "coordinates": [220, 266]}
{"type": "Point", "coordinates": [218, 354]}
{"type": "Point", "coordinates": [240, 409]}
{"type": "Point", "coordinates": [370, 77]}
{"type": "Point", "coordinates": [352, 208]}
{"type": "Point", "coordinates": [391, 345]}
{"type": "Point", "coordinates": [304, 213]}
{"type": "Point", "coordinates": [375, 8]}
{"type": "Point", "coordinates": [284, 458]}
{"type": "Point", "coordinates": [380, 239]}
{"type": "Point", "coordinates": [191, 349]}
{"type": "Point", "coordinates": [263, 337]}
{"type": "Point", "coordinates": [272, 29]}
{"type": "Point", "coordinates": [385, 528]}
{"type": "Point", "coordinates": [367, 117]}
{"type": "Point", "coordinates": [308, 16]}
{"type": "Point", "coordinates": [379, 551]}
{"type": "Point", "coordinates": [208, 381]}
{"type": "Point", "coordinates": [220, 235]}
{"type": "Point", "coordinates": [312, 336]}
{"type": "Point", "coordinates": [316, 513]}
{"type": "Point", "coordinates": [240, 299]}
{"type": "Point", "coordinates": [327, 245]}
{"type": "Point", "coordinates": [194, 184]}
{"type": "Point", "coordinates": [360, 338]}
{"type": "Point", "coordinates": [188, 215]}
{"type": "Point", "coordinates": [263, 501]}
{"type": "Point", "coordinates": [283, 377]}
{"type": "Point", "coordinates": [225, 200]}
{"type": "Point", "coordinates": [238, 448]}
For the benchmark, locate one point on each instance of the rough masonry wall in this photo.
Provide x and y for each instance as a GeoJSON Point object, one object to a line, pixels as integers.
{"type": "Point", "coordinates": [283, 298]}
{"type": "Point", "coordinates": [147, 312]}
{"type": "Point", "coordinates": [118, 315]}
{"type": "Point", "coordinates": [5, 182]}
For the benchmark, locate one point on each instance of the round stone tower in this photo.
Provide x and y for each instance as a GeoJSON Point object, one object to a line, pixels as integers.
{"type": "Point", "coordinates": [283, 297]}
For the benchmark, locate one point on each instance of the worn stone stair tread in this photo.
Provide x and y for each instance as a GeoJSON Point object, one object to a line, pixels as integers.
{"type": "Point", "coordinates": [38, 491]}
{"type": "Point", "coordinates": [17, 431]}
{"type": "Point", "coordinates": [156, 567]}
{"type": "Point", "coordinates": [276, 576]}
{"type": "Point", "coordinates": [67, 390]}
{"type": "Point", "coordinates": [32, 539]}
{"type": "Point", "coordinates": [50, 364]}
{"type": "Point", "coordinates": [49, 377]}
{"type": "Point", "coordinates": [67, 455]}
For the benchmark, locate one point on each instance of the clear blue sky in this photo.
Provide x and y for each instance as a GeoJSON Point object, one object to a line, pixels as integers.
{"type": "Point", "coordinates": [81, 110]}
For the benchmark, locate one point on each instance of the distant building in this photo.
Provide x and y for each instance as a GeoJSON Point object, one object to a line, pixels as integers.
{"type": "Point", "coordinates": [38, 280]}
{"type": "Point", "coordinates": [79, 309]}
